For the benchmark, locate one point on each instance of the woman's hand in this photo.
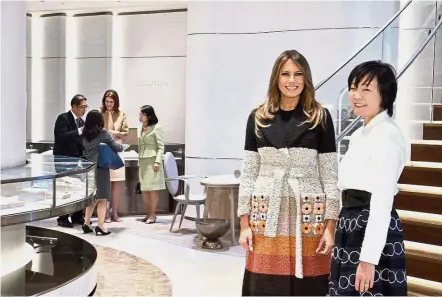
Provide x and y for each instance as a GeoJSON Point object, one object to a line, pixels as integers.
{"type": "Point", "coordinates": [246, 239]}
{"type": "Point", "coordinates": [113, 133]}
{"type": "Point", "coordinates": [364, 277]}
{"type": "Point", "coordinates": [156, 167]}
{"type": "Point", "coordinates": [327, 241]}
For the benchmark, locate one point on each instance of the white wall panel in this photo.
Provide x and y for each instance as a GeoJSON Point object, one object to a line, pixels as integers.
{"type": "Point", "coordinates": [53, 82]}
{"type": "Point", "coordinates": [93, 56]}
{"type": "Point", "coordinates": [160, 82]}
{"type": "Point", "coordinates": [228, 76]}
{"type": "Point", "coordinates": [54, 40]}
{"type": "Point", "coordinates": [153, 34]}
{"type": "Point", "coordinates": [259, 16]}
{"type": "Point", "coordinates": [94, 35]}
{"type": "Point", "coordinates": [94, 78]}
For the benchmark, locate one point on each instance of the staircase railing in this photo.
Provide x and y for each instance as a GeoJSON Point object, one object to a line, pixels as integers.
{"type": "Point", "coordinates": [381, 30]}
{"type": "Point", "coordinates": [400, 73]}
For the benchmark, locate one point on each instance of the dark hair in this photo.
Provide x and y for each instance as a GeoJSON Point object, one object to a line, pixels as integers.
{"type": "Point", "coordinates": [386, 77]}
{"type": "Point", "coordinates": [114, 95]}
{"type": "Point", "coordinates": [150, 113]}
{"type": "Point", "coordinates": [76, 101]}
{"type": "Point", "coordinates": [93, 125]}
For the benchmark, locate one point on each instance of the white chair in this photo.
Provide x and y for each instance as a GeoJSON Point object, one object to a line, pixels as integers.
{"type": "Point", "coordinates": [172, 183]}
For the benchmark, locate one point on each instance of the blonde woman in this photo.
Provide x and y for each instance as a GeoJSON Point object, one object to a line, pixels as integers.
{"type": "Point", "coordinates": [288, 198]}
{"type": "Point", "coordinates": [116, 123]}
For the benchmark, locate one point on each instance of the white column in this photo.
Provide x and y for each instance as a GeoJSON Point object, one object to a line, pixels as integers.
{"type": "Point", "coordinates": [29, 76]}
{"type": "Point", "coordinates": [413, 101]}
{"type": "Point", "coordinates": [231, 48]}
{"type": "Point", "coordinates": [13, 83]}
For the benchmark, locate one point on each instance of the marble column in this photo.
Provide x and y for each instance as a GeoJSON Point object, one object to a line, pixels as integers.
{"type": "Point", "coordinates": [13, 84]}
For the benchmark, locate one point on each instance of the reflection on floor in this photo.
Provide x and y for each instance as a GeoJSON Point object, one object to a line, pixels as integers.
{"type": "Point", "coordinates": [122, 274]}
{"type": "Point", "coordinates": [191, 271]}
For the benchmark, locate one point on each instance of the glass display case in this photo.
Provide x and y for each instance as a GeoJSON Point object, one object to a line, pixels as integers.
{"type": "Point", "coordinates": [34, 259]}
{"type": "Point", "coordinates": [47, 186]}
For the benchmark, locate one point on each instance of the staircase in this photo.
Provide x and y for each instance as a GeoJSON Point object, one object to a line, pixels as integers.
{"type": "Point", "coordinates": [419, 204]}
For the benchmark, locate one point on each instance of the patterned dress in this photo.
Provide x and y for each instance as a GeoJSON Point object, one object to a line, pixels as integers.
{"type": "Point", "coordinates": [288, 190]}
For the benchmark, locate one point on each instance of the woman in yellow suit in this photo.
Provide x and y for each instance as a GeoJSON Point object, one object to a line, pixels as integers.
{"type": "Point", "coordinates": [150, 151]}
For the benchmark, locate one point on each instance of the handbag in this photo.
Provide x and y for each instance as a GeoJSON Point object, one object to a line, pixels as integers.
{"type": "Point", "coordinates": [108, 158]}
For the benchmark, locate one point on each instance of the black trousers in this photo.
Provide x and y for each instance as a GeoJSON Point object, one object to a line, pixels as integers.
{"type": "Point", "coordinates": [76, 216]}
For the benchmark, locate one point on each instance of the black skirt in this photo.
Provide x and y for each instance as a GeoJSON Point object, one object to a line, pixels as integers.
{"type": "Point", "coordinates": [390, 274]}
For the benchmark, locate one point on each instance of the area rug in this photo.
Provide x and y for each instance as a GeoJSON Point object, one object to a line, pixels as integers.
{"type": "Point", "coordinates": [123, 274]}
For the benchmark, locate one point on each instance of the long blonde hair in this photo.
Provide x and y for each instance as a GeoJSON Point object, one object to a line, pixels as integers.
{"type": "Point", "coordinates": [311, 108]}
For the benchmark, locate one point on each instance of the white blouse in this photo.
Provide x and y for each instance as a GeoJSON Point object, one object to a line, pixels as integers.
{"type": "Point", "coordinates": [373, 163]}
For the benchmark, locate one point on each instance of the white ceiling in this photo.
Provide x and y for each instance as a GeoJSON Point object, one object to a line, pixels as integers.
{"type": "Point", "coordinates": [100, 5]}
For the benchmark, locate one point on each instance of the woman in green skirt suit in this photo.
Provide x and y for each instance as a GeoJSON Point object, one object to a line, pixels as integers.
{"type": "Point", "coordinates": [150, 154]}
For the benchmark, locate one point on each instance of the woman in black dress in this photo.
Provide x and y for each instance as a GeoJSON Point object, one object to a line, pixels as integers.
{"type": "Point", "coordinates": [288, 197]}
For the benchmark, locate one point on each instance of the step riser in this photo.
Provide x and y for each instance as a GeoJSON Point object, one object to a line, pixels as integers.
{"type": "Point", "coordinates": [425, 268]}
{"type": "Point", "coordinates": [426, 153]}
{"type": "Point", "coordinates": [419, 202]}
{"type": "Point", "coordinates": [432, 132]}
{"type": "Point", "coordinates": [422, 234]}
{"type": "Point", "coordinates": [437, 116]}
{"type": "Point", "coordinates": [421, 176]}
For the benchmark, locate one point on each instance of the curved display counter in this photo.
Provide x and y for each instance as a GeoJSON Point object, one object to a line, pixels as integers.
{"type": "Point", "coordinates": [131, 202]}
{"type": "Point", "coordinates": [38, 261]}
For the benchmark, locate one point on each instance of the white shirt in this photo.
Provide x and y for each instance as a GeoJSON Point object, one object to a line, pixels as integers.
{"type": "Point", "coordinates": [80, 130]}
{"type": "Point", "coordinates": [373, 163]}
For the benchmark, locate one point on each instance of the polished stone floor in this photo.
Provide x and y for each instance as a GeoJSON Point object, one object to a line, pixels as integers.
{"type": "Point", "coordinates": [191, 271]}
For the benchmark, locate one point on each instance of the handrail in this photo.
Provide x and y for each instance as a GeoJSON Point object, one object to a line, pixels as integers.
{"type": "Point", "coordinates": [365, 45]}
{"type": "Point", "coordinates": [407, 65]}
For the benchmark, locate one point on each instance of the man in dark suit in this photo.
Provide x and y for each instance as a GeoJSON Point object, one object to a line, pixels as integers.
{"type": "Point", "coordinates": [67, 142]}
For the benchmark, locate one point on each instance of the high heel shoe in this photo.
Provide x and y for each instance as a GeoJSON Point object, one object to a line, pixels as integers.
{"type": "Point", "coordinates": [99, 230]}
{"type": "Point", "coordinates": [144, 219]}
{"type": "Point", "coordinates": [86, 229]}
{"type": "Point", "coordinates": [151, 220]}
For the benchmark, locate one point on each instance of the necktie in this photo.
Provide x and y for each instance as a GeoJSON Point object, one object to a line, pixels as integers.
{"type": "Point", "coordinates": [80, 122]}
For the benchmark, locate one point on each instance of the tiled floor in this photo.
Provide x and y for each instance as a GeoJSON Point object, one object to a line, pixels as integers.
{"type": "Point", "coordinates": [191, 271]}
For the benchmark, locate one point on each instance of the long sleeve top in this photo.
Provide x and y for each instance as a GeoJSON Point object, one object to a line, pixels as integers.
{"type": "Point", "coordinates": [373, 163]}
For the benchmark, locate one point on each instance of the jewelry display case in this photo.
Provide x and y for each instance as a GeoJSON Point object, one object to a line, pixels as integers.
{"type": "Point", "coordinates": [47, 186]}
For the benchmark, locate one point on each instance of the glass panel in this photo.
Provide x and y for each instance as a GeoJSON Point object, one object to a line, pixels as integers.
{"type": "Point", "coordinates": [70, 189]}
{"type": "Point", "coordinates": [437, 69]}
{"type": "Point", "coordinates": [44, 167]}
{"type": "Point", "coordinates": [415, 88]}
{"type": "Point", "coordinates": [396, 45]}
{"type": "Point", "coordinates": [25, 197]}
{"type": "Point", "coordinates": [91, 184]}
